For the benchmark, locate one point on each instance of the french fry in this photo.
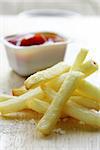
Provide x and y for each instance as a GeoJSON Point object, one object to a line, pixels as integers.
{"type": "Point", "coordinates": [79, 59]}
{"type": "Point", "coordinates": [19, 91]}
{"type": "Point", "coordinates": [56, 92]}
{"type": "Point", "coordinates": [76, 97]}
{"type": "Point", "coordinates": [52, 93]}
{"type": "Point", "coordinates": [71, 108]}
{"type": "Point", "coordinates": [85, 88]}
{"type": "Point", "coordinates": [88, 67]}
{"type": "Point", "coordinates": [49, 91]}
{"type": "Point", "coordinates": [5, 97]}
{"type": "Point", "coordinates": [47, 123]}
{"type": "Point", "coordinates": [18, 103]}
{"type": "Point", "coordinates": [55, 83]}
{"type": "Point", "coordinates": [80, 113]}
{"type": "Point", "coordinates": [22, 90]}
{"type": "Point", "coordinates": [45, 75]}
{"type": "Point", "coordinates": [86, 102]}
{"type": "Point", "coordinates": [90, 117]}
{"type": "Point", "coordinates": [76, 93]}
{"type": "Point", "coordinates": [89, 90]}
{"type": "Point", "coordinates": [37, 105]}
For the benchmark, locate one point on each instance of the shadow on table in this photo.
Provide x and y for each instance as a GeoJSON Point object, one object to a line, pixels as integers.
{"type": "Point", "coordinates": [64, 126]}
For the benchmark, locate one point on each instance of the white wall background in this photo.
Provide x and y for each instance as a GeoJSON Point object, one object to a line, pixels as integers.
{"type": "Point", "coordinates": [85, 7]}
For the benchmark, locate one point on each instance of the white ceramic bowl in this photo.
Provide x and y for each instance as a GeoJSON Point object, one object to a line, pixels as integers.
{"type": "Point", "coordinates": [27, 60]}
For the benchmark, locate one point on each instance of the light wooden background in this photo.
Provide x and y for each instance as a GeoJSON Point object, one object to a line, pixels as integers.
{"type": "Point", "coordinates": [17, 132]}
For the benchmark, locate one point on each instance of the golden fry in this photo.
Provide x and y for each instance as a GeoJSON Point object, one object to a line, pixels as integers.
{"type": "Point", "coordinates": [72, 109]}
{"type": "Point", "coordinates": [19, 91]}
{"type": "Point", "coordinates": [47, 123]}
{"type": "Point", "coordinates": [49, 91]}
{"type": "Point", "coordinates": [5, 97]}
{"type": "Point", "coordinates": [86, 102]}
{"type": "Point", "coordinates": [45, 75]}
{"type": "Point", "coordinates": [89, 90]}
{"type": "Point", "coordinates": [81, 113]}
{"type": "Point", "coordinates": [56, 92]}
{"type": "Point", "coordinates": [37, 105]}
{"type": "Point", "coordinates": [18, 103]}
{"type": "Point", "coordinates": [79, 59]}
{"type": "Point", "coordinates": [88, 67]}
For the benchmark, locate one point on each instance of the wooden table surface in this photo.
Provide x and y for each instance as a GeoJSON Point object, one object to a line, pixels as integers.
{"type": "Point", "coordinates": [17, 132]}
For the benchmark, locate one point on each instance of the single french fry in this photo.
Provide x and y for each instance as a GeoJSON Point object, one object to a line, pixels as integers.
{"type": "Point", "coordinates": [89, 90]}
{"type": "Point", "coordinates": [79, 59]}
{"type": "Point", "coordinates": [45, 75]}
{"type": "Point", "coordinates": [79, 112]}
{"type": "Point", "coordinates": [47, 123]}
{"type": "Point", "coordinates": [88, 67]}
{"type": "Point", "coordinates": [86, 102]}
{"type": "Point", "coordinates": [5, 97]}
{"type": "Point", "coordinates": [22, 90]}
{"type": "Point", "coordinates": [19, 91]}
{"type": "Point", "coordinates": [18, 103]}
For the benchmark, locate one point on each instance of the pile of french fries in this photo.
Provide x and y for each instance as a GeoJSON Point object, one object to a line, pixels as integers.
{"type": "Point", "coordinates": [56, 92]}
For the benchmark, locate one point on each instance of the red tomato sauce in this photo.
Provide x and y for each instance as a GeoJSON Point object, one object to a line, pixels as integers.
{"type": "Point", "coordinates": [35, 39]}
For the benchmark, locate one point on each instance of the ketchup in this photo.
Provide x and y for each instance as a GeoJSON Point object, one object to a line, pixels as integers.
{"type": "Point", "coordinates": [35, 39]}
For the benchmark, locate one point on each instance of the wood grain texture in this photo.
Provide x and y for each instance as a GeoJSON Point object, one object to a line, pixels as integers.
{"type": "Point", "coordinates": [17, 131]}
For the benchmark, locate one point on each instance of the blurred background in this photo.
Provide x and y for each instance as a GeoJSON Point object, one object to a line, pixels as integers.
{"type": "Point", "coordinates": [83, 7]}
